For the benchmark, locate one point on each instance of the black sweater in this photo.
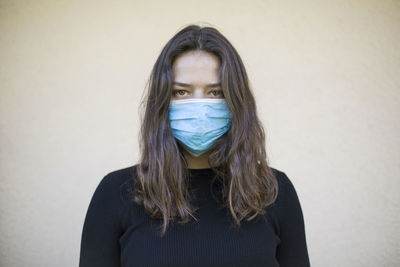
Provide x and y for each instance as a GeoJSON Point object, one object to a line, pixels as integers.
{"type": "Point", "coordinates": [117, 232]}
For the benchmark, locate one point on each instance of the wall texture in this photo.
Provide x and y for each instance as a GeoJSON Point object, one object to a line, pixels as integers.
{"type": "Point", "coordinates": [326, 75]}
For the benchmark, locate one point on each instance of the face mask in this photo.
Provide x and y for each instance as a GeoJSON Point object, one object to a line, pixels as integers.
{"type": "Point", "coordinates": [197, 123]}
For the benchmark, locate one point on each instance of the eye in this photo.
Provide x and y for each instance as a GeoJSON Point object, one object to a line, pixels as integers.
{"type": "Point", "coordinates": [178, 91]}
{"type": "Point", "coordinates": [217, 92]}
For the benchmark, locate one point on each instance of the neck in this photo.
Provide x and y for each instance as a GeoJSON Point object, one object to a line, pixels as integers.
{"type": "Point", "coordinates": [200, 162]}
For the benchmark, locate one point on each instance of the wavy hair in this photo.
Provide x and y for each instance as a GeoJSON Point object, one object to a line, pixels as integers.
{"type": "Point", "coordinates": [238, 157]}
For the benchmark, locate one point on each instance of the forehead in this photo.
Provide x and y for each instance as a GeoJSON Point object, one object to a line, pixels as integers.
{"type": "Point", "coordinates": [195, 61]}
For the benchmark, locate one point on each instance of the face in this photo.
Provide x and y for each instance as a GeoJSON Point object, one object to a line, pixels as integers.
{"type": "Point", "coordinates": [195, 75]}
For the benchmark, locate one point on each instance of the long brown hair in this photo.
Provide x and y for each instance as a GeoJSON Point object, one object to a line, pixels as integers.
{"type": "Point", "coordinates": [238, 157]}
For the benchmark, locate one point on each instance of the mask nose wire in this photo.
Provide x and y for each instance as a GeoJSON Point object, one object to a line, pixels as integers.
{"type": "Point", "coordinates": [197, 100]}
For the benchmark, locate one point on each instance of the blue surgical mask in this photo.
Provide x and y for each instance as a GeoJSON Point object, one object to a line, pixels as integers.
{"type": "Point", "coordinates": [197, 123]}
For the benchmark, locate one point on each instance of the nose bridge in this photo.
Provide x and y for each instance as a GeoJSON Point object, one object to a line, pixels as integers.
{"type": "Point", "coordinates": [199, 92]}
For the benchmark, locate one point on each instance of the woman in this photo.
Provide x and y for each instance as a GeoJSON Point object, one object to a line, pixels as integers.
{"type": "Point", "coordinates": [202, 193]}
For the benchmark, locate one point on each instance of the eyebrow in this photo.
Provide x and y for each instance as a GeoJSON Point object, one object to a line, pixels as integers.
{"type": "Point", "coordinates": [189, 85]}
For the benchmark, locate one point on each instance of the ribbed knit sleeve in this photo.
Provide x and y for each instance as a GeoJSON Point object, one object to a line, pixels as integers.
{"type": "Point", "coordinates": [292, 250]}
{"type": "Point", "coordinates": [102, 227]}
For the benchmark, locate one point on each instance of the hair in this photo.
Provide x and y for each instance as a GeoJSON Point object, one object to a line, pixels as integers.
{"type": "Point", "coordinates": [238, 157]}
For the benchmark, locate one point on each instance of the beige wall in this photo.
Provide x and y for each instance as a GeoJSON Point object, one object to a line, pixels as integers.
{"type": "Point", "coordinates": [326, 75]}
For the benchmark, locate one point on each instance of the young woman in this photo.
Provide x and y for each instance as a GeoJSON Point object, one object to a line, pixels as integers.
{"type": "Point", "coordinates": [203, 193]}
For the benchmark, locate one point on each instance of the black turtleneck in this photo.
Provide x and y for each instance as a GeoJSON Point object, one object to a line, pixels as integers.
{"type": "Point", "coordinates": [117, 232]}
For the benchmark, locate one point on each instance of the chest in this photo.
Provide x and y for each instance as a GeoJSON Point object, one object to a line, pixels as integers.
{"type": "Point", "coordinates": [210, 241]}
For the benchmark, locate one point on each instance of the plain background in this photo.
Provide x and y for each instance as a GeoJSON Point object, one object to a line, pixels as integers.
{"type": "Point", "coordinates": [325, 74]}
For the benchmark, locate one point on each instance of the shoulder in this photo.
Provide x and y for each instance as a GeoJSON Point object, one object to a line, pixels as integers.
{"type": "Point", "coordinates": [284, 182]}
{"type": "Point", "coordinates": [120, 176]}
{"type": "Point", "coordinates": [287, 203]}
{"type": "Point", "coordinates": [116, 185]}
{"type": "Point", "coordinates": [286, 190]}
